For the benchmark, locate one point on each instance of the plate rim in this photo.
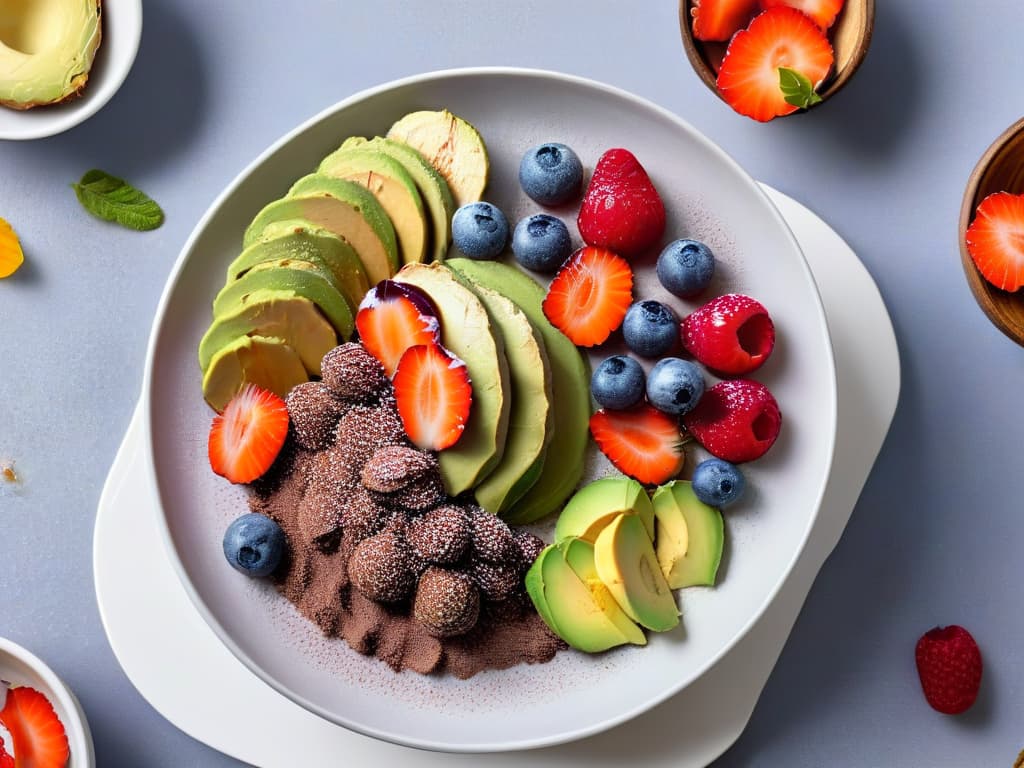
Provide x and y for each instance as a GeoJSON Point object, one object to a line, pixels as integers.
{"type": "Point", "coordinates": [242, 177]}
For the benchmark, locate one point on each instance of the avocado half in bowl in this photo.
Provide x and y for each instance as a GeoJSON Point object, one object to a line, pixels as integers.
{"type": "Point", "coordinates": [707, 196]}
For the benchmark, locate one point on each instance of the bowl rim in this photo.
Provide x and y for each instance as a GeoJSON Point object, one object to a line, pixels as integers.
{"type": "Point", "coordinates": [112, 78]}
{"type": "Point", "coordinates": [147, 402]}
{"type": "Point", "coordinates": [77, 729]}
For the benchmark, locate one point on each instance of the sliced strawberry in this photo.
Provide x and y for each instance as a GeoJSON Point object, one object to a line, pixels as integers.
{"type": "Point", "coordinates": [641, 442]}
{"type": "Point", "coordinates": [995, 240]}
{"type": "Point", "coordinates": [749, 79]}
{"type": "Point", "coordinates": [823, 12]}
{"type": "Point", "coordinates": [434, 396]}
{"type": "Point", "coordinates": [247, 437]}
{"type": "Point", "coordinates": [589, 296]}
{"type": "Point", "coordinates": [37, 733]}
{"type": "Point", "coordinates": [720, 19]}
{"type": "Point", "coordinates": [392, 318]}
{"type": "Point", "coordinates": [6, 761]}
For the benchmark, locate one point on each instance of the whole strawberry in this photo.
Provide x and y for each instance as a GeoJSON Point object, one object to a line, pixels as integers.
{"type": "Point", "coordinates": [621, 211]}
{"type": "Point", "coordinates": [949, 665]}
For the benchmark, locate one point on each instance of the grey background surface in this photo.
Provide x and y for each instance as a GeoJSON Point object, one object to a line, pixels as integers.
{"type": "Point", "coordinates": [938, 533]}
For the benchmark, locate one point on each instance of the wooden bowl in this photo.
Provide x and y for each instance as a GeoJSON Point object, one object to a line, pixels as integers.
{"type": "Point", "coordinates": [850, 36]}
{"type": "Point", "coordinates": [1001, 169]}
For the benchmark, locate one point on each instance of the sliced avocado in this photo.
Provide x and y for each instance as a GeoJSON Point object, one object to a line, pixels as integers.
{"type": "Point", "coordinates": [579, 555]}
{"type": "Point", "coordinates": [46, 50]}
{"type": "Point", "coordinates": [276, 314]}
{"type": "Point", "coordinates": [450, 144]}
{"type": "Point", "coordinates": [691, 536]}
{"type": "Point", "coordinates": [534, 581]}
{"type": "Point", "coordinates": [349, 219]}
{"type": "Point", "coordinates": [303, 278]}
{"type": "Point", "coordinates": [530, 415]}
{"type": "Point", "coordinates": [265, 362]}
{"type": "Point", "coordinates": [570, 382]}
{"type": "Point", "coordinates": [432, 186]}
{"type": "Point", "coordinates": [595, 505]}
{"type": "Point", "coordinates": [394, 189]}
{"type": "Point", "coordinates": [626, 563]}
{"type": "Point", "coordinates": [297, 239]}
{"type": "Point", "coordinates": [470, 333]}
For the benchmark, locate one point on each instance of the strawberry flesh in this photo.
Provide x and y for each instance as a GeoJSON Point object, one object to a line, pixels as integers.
{"type": "Point", "coordinates": [434, 396]}
{"type": "Point", "coordinates": [6, 761]}
{"type": "Point", "coordinates": [732, 334]}
{"type": "Point", "coordinates": [621, 209]}
{"type": "Point", "coordinates": [823, 12]}
{"type": "Point", "coordinates": [720, 19]}
{"type": "Point", "coordinates": [641, 442]}
{"type": "Point", "coordinates": [590, 295]}
{"type": "Point", "coordinates": [995, 240]}
{"type": "Point", "coordinates": [779, 37]}
{"type": "Point", "coordinates": [392, 318]}
{"type": "Point", "coordinates": [37, 733]}
{"type": "Point", "coordinates": [247, 437]}
{"type": "Point", "coordinates": [949, 666]}
{"type": "Point", "coordinates": [736, 420]}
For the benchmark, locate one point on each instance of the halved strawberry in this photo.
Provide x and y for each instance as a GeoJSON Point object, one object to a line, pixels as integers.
{"type": "Point", "coordinates": [641, 442]}
{"type": "Point", "coordinates": [782, 37]}
{"type": "Point", "coordinates": [589, 296]}
{"type": "Point", "coordinates": [392, 318]}
{"type": "Point", "coordinates": [995, 240]}
{"type": "Point", "coordinates": [6, 761]}
{"type": "Point", "coordinates": [720, 19]}
{"type": "Point", "coordinates": [37, 733]}
{"type": "Point", "coordinates": [247, 437]}
{"type": "Point", "coordinates": [823, 12]}
{"type": "Point", "coordinates": [434, 396]}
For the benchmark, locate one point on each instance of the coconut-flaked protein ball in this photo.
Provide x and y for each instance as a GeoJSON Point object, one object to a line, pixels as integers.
{"type": "Point", "coordinates": [362, 515]}
{"type": "Point", "coordinates": [447, 603]}
{"type": "Point", "coordinates": [314, 410]}
{"type": "Point", "coordinates": [379, 568]}
{"type": "Point", "coordinates": [491, 537]}
{"type": "Point", "coordinates": [394, 467]}
{"type": "Point", "coordinates": [441, 535]}
{"type": "Point", "coordinates": [365, 429]}
{"type": "Point", "coordinates": [496, 582]}
{"type": "Point", "coordinates": [353, 373]}
{"type": "Point", "coordinates": [528, 547]}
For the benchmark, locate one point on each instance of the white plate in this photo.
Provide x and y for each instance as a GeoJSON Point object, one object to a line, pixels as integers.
{"type": "Point", "coordinates": [122, 30]}
{"type": "Point", "coordinates": [709, 197]}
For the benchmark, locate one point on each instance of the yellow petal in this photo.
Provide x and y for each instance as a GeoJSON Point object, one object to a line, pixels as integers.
{"type": "Point", "coordinates": [11, 256]}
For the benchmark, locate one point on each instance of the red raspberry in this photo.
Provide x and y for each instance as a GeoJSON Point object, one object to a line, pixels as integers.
{"type": "Point", "coordinates": [949, 665]}
{"type": "Point", "coordinates": [732, 334]}
{"type": "Point", "coordinates": [736, 420]}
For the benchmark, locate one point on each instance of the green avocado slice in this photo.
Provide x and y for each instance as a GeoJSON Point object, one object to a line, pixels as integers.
{"type": "Point", "coordinates": [433, 188]}
{"type": "Point", "coordinates": [691, 536]}
{"type": "Point", "coordinates": [303, 240]}
{"type": "Point", "coordinates": [303, 278]}
{"type": "Point", "coordinates": [579, 554]}
{"type": "Point", "coordinates": [265, 362]}
{"type": "Point", "coordinates": [471, 334]}
{"type": "Point", "coordinates": [530, 415]}
{"type": "Point", "coordinates": [450, 144]}
{"type": "Point", "coordinates": [394, 189]}
{"type": "Point", "coordinates": [596, 504]}
{"type": "Point", "coordinates": [46, 50]}
{"type": "Point", "coordinates": [570, 382]}
{"type": "Point", "coordinates": [275, 314]}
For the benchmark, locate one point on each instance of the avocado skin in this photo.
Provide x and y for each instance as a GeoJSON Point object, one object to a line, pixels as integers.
{"type": "Point", "coordinates": [570, 381]}
{"type": "Point", "coordinates": [675, 504]}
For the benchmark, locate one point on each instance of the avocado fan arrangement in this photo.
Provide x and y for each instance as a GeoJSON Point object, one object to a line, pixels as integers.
{"type": "Point", "coordinates": [476, 400]}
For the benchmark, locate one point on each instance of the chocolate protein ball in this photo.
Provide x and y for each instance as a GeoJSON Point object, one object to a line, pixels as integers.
{"type": "Point", "coordinates": [528, 547]}
{"type": "Point", "coordinates": [353, 373]}
{"type": "Point", "coordinates": [441, 535]}
{"type": "Point", "coordinates": [379, 568]}
{"type": "Point", "coordinates": [395, 467]}
{"type": "Point", "coordinates": [362, 515]}
{"type": "Point", "coordinates": [491, 537]}
{"type": "Point", "coordinates": [365, 428]}
{"type": "Point", "coordinates": [320, 521]}
{"type": "Point", "coordinates": [314, 411]}
{"type": "Point", "coordinates": [446, 603]}
{"type": "Point", "coordinates": [496, 582]}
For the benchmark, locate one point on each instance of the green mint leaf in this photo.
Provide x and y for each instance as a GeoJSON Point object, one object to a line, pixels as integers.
{"type": "Point", "coordinates": [797, 89]}
{"type": "Point", "coordinates": [112, 199]}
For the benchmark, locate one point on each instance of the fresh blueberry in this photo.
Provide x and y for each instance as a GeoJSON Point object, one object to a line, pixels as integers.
{"type": "Point", "coordinates": [675, 386]}
{"type": "Point", "coordinates": [718, 483]}
{"type": "Point", "coordinates": [254, 544]}
{"type": "Point", "coordinates": [541, 242]}
{"type": "Point", "coordinates": [551, 174]}
{"type": "Point", "coordinates": [651, 329]}
{"type": "Point", "coordinates": [618, 383]}
{"type": "Point", "coordinates": [685, 267]}
{"type": "Point", "coordinates": [480, 230]}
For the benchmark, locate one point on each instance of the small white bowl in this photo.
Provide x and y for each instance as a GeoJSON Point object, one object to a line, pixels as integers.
{"type": "Point", "coordinates": [122, 30]}
{"type": "Point", "coordinates": [20, 667]}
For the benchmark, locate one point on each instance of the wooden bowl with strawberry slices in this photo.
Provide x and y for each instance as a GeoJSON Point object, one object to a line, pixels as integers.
{"type": "Point", "coordinates": [991, 232]}
{"type": "Point", "coordinates": [737, 47]}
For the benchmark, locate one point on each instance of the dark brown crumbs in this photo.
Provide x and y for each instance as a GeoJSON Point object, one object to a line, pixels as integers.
{"type": "Point", "coordinates": [440, 536]}
{"type": "Point", "coordinates": [379, 568]}
{"type": "Point", "coordinates": [353, 373]}
{"type": "Point", "coordinates": [314, 411]}
{"type": "Point", "coordinates": [492, 538]}
{"type": "Point", "coordinates": [447, 603]}
{"type": "Point", "coordinates": [394, 467]}
{"type": "Point", "coordinates": [496, 582]}
{"type": "Point", "coordinates": [529, 547]}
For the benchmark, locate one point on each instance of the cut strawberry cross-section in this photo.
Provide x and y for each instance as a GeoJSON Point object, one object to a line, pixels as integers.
{"type": "Point", "coordinates": [720, 19]}
{"type": "Point", "coordinates": [641, 442]}
{"type": "Point", "coordinates": [590, 295]}
{"type": "Point", "coordinates": [392, 318]}
{"type": "Point", "coordinates": [434, 396]}
{"type": "Point", "coordinates": [995, 240]}
{"type": "Point", "coordinates": [38, 735]}
{"type": "Point", "coordinates": [823, 12]}
{"type": "Point", "coordinates": [247, 437]}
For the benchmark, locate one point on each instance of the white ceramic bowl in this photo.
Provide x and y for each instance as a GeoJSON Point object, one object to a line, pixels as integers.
{"type": "Point", "coordinates": [707, 196]}
{"type": "Point", "coordinates": [20, 667]}
{"type": "Point", "coordinates": [122, 30]}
